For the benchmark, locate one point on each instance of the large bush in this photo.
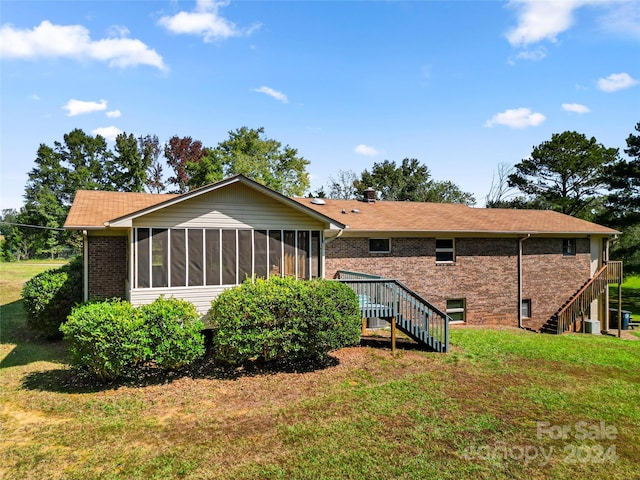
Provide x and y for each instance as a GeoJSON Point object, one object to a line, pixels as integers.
{"type": "Point", "coordinates": [283, 318]}
{"type": "Point", "coordinates": [50, 296]}
{"type": "Point", "coordinates": [108, 338]}
{"type": "Point", "coordinates": [175, 332]}
{"type": "Point", "coordinates": [113, 338]}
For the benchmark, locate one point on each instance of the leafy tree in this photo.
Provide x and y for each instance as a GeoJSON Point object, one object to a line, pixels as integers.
{"type": "Point", "coordinates": [409, 181]}
{"type": "Point", "coordinates": [566, 172]}
{"type": "Point", "coordinates": [208, 169]}
{"type": "Point", "coordinates": [14, 245]}
{"type": "Point", "coordinates": [81, 161]}
{"type": "Point", "coordinates": [248, 152]}
{"type": "Point", "coordinates": [448, 192]}
{"type": "Point", "coordinates": [150, 147]}
{"type": "Point", "coordinates": [179, 152]}
{"type": "Point", "coordinates": [621, 209]}
{"type": "Point", "coordinates": [130, 164]}
{"type": "Point", "coordinates": [623, 178]}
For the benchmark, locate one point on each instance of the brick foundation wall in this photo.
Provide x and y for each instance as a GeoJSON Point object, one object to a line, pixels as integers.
{"type": "Point", "coordinates": [107, 267]}
{"type": "Point", "coordinates": [485, 273]}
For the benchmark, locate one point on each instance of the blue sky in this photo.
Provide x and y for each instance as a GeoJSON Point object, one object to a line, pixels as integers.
{"type": "Point", "coordinates": [462, 86]}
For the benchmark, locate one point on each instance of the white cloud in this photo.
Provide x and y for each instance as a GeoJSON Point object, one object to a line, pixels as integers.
{"type": "Point", "coordinates": [575, 108]}
{"type": "Point", "coordinates": [616, 81]}
{"type": "Point", "coordinates": [78, 107]}
{"type": "Point", "coordinates": [110, 133]}
{"type": "Point", "coordinates": [516, 118]}
{"type": "Point", "coordinates": [205, 22]}
{"type": "Point", "coordinates": [113, 114]}
{"type": "Point", "coordinates": [272, 93]}
{"type": "Point", "coordinates": [34, 97]}
{"type": "Point", "coordinates": [541, 20]}
{"type": "Point", "coordinates": [73, 41]}
{"type": "Point", "coordinates": [624, 20]}
{"type": "Point", "coordinates": [532, 55]}
{"type": "Point", "coordinates": [363, 149]}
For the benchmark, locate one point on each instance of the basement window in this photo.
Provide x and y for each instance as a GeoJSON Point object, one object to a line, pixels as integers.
{"type": "Point", "coordinates": [569, 247]}
{"type": "Point", "coordinates": [456, 309]}
{"type": "Point", "coordinates": [445, 250]}
{"type": "Point", "coordinates": [379, 245]}
{"type": "Point", "coordinates": [525, 308]}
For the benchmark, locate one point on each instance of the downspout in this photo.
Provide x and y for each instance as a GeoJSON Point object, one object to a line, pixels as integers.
{"type": "Point", "coordinates": [520, 242]}
{"type": "Point", "coordinates": [325, 242]}
{"type": "Point", "coordinates": [85, 266]}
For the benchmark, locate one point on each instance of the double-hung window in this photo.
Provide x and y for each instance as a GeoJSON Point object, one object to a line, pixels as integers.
{"type": "Point", "coordinates": [456, 309]}
{"type": "Point", "coordinates": [445, 250]}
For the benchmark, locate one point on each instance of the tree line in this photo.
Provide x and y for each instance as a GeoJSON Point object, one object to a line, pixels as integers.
{"type": "Point", "coordinates": [569, 173]}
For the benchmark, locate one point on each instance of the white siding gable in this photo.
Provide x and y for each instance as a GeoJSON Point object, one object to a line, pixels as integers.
{"type": "Point", "coordinates": [235, 206]}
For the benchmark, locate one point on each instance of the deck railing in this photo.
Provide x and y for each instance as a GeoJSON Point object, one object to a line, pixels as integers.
{"type": "Point", "coordinates": [393, 301]}
{"type": "Point", "coordinates": [580, 304]}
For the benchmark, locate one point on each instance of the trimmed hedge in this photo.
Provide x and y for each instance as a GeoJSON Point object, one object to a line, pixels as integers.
{"type": "Point", "coordinates": [283, 318]}
{"type": "Point", "coordinates": [113, 338]}
{"type": "Point", "coordinates": [50, 296]}
{"type": "Point", "coordinates": [108, 338]}
{"type": "Point", "coordinates": [174, 329]}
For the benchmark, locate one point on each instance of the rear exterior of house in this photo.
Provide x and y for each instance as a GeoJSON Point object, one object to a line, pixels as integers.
{"type": "Point", "coordinates": [479, 284]}
{"type": "Point", "coordinates": [195, 245]}
{"type": "Point", "coordinates": [480, 266]}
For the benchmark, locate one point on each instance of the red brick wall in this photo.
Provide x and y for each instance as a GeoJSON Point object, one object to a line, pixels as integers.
{"type": "Point", "coordinates": [107, 267]}
{"type": "Point", "coordinates": [485, 273]}
{"type": "Point", "coordinates": [549, 278]}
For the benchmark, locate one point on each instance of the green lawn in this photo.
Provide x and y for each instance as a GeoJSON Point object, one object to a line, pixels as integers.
{"type": "Point", "coordinates": [503, 404]}
{"type": "Point", "coordinates": [630, 296]}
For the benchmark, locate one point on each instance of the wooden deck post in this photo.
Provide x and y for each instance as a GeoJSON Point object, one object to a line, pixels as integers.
{"type": "Point", "coordinates": [364, 326]}
{"type": "Point", "coordinates": [393, 335]}
{"type": "Point", "coordinates": [619, 308]}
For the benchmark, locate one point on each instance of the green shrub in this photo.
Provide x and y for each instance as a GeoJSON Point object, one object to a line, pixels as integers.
{"type": "Point", "coordinates": [108, 338]}
{"type": "Point", "coordinates": [175, 332]}
{"type": "Point", "coordinates": [50, 296]}
{"type": "Point", "coordinates": [283, 318]}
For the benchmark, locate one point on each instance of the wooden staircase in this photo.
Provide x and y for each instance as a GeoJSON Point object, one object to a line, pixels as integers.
{"type": "Point", "coordinates": [579, 305]}
{"type": "Point", "coordinates": [396, 303]}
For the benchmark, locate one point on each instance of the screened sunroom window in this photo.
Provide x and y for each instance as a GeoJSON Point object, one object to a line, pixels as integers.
{"type": "Point", "coordinates": [195, 257]}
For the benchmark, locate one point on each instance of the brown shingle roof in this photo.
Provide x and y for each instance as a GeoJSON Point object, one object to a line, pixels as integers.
{"type": "Point", "coordinates": [447, 217]}
{"type": "Point", "coordinates": [92, 208]}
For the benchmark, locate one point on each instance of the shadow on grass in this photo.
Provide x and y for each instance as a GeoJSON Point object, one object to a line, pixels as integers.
{"type": "Point", "coordinates": [72, 380]}
{"type": "Point", "coordinates": [28, 347]}
{"type": "Point", "coordinates": [79, 381]}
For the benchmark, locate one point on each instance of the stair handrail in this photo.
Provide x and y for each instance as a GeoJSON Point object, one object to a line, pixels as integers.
{"type": "Point", "coordinates": [610, 272]}
{"type": "Point", "coordinates": [350, 277]}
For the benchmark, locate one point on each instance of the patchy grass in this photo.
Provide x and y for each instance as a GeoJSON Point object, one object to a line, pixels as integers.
{"type": "Point", "coordinates": [479, 411]}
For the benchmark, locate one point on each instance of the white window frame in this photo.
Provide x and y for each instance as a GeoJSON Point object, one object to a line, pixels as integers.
{"type": "Point", "coordinates": [451, 250]}
{"type": "Point", "coordinates": [462, 309]}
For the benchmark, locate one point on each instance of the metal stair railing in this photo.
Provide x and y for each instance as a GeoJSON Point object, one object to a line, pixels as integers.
{"type": "Point", "coordinates": [391, 300]}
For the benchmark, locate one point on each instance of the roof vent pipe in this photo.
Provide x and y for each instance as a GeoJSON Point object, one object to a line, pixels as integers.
{"type": "Point", "coordinates": [370, 195]}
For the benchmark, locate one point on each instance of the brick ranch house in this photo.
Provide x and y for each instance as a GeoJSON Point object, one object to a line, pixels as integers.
{"type": "Point", "coordinates": [480, 266]}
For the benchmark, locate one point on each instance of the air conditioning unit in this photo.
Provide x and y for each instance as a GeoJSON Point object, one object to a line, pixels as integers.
{"type": "Point", "coordinates": [592, 326]}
